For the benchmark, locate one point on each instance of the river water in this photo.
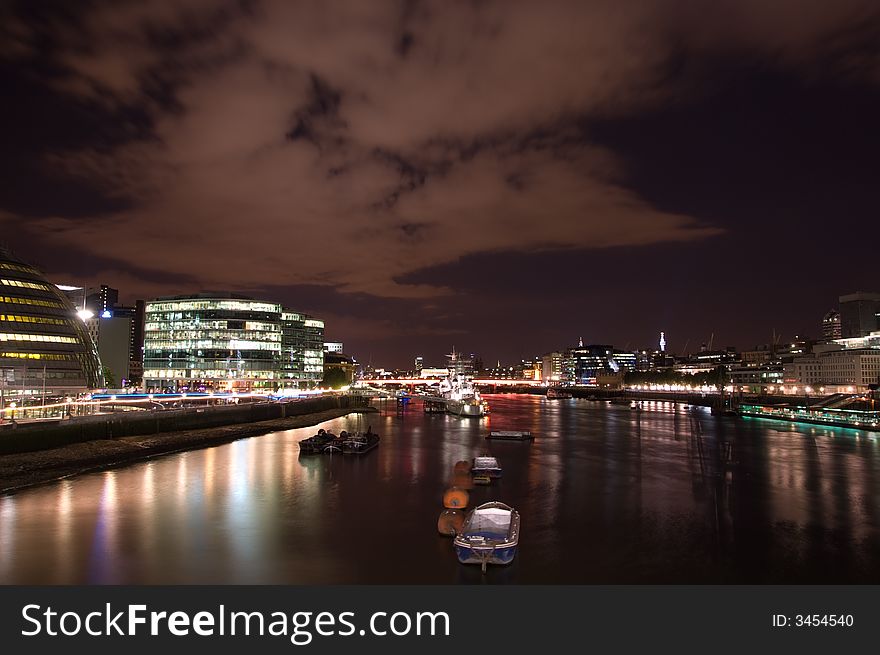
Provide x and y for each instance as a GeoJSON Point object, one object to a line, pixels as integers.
{"type": "Point", "coordinates": [607, 494]}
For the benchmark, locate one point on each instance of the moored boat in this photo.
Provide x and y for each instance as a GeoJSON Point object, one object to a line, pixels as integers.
{"type": "Point", "coordinates": [360, 443]}
{"type": "Point", "coordinates": [490, 535]}
{"type": "Point", "coordinates": [510, 435]}
{"type": "Point", "coordinates": [557, 393]}
{"type": "Point", "coordinates": [315, 444]}
{"type": "Point", "coordinates": [468, 407]}
{"type": "Point", "coordinates": [486, 464]}
{"type": "Point", "coordinates": [356, 443]}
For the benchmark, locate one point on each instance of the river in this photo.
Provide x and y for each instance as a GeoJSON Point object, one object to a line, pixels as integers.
{"type": "Point", "coordinates": [607, 495]}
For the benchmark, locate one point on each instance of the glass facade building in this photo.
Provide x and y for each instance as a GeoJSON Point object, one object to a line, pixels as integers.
{"type": "Point", "coordinates": [584, 363]}
{"type": "Point", "coordinates": [45, 347]}
{"type": "Point", "coordinates": [211, 342]}
{"type": "Point", "coordinates": [222, 341]}
{"type": "Point", "coordinates": [302, 344]}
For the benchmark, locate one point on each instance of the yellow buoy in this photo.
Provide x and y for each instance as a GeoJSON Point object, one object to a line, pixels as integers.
{"type": "Point", "coordinates": [455, 498]}
{"type": "Point", "coordinates": [450, 522]}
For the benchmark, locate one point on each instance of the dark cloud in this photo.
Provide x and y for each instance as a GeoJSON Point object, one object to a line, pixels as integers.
{"type": "Point", "coordinates": [399, 151]}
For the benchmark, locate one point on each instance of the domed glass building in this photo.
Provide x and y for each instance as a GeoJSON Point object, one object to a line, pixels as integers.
{"type": "Point", "coordinates": [44, 346]}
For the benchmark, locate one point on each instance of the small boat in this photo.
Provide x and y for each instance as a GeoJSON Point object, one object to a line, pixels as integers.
{"type": "Point", "coordinates": [482, 478]}
{"type": "Point", "coordinates": [556, 392]}
{"type": "Point", "coordinates": [486, 464]}
{"type": "Point", "coordinates": [360, 443]}
{"type": "Point", "coordinates": [356, 443]}
{"type": "Point", "coordinates": [490, 535]}
{"type": "Point", "coordinates": [620, 401]}
{"type": "Point", "coordinates": [315, 445]}
{"type": "Point", "coordinates": [510, 435]}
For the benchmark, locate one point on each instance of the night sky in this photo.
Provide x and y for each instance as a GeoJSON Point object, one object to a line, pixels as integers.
{"type": "Point", "coordinates": [499, 177]}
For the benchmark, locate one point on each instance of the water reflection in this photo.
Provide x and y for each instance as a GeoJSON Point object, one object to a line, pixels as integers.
{"type": "Point", "coordinates": [607, 495]}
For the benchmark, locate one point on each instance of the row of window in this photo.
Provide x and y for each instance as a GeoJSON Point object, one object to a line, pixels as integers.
{"type": "Point", "coordinates": [43, 320]}
{"type": "Point", "coordinates": [216, 374]}
{"type": "Point", "coordinates": [216, 353]}
{"type": "Point", "coordinates": [36, 375]}
{"type": "Point", "coordinates": [229, 324]}
{"type": "Point", "coordinates": [25, 285]}
{"type": "Point", "coordinates": [13, 300]}
{"type": "Point", "coordinates": [53, 357]}
{"type": "Point", "coordinates": [197, 305]}
{"type": "Point", "coordinates": [181, 335]}
{"type": "Point", "coordinates": [46, 338]}
{"type": "Point", "coordinates": [209, 344]}
{"type": "Point", "coordinates": [17, 267]}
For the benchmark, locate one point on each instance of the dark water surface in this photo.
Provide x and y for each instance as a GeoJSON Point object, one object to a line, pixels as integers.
{"type": "Point", "coordinates": [606, 494]}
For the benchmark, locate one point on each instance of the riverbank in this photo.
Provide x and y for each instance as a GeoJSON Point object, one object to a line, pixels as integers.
{"type": "Point", "coordinates": [21, 470]}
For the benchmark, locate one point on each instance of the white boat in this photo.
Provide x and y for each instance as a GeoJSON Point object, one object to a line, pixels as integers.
{"type": "Point", "coordinates": [462, 398]}
{"type": "Point", "coordinates": [486, 464]}
{"type": "Point", "coordinates": [510, 435]}
{"type": "Point", "coordinates": [556, 392]}
{"type": "Point", "coordinates": [490, 535]}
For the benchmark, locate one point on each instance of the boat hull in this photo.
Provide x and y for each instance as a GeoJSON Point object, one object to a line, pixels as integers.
{"type": "Point", "coordinates": [486, 538]}
{"type": "Point", "coordinates": [492, 473]}
{"type": "Point", "coordinates": [470, 410]}
{"type": "Point", "coordinates": [497, 555]}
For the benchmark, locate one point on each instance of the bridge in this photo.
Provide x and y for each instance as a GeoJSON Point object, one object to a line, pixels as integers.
{"type": "Point", "coordinates": [406, 382]}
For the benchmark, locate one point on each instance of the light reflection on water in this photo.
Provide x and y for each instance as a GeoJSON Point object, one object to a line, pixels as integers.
{"type": "Point", "coordinates": [607, 495]}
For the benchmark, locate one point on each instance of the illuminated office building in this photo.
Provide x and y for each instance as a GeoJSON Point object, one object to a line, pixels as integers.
{"type": "Point", "coordinates": [583, 364]}
{"type": "Point", "coordinates": [45, 349]}
{"type": "Point", "coordinates": [212, 341]}
{"type": "Point", "coordinates": [302, 346]}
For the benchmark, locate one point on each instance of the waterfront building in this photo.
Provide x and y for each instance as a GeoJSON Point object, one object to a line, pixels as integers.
{"type": "Point", "coordinates": [653, 360]}
{"type": "Point", "coordinates": [532, 369]}
{"type": "Point", "coordinates": [112, 337]}
{"type": "Point", "coordinates": [553, 368]}
{"type": "Point", "coordinates": [759, 356]}
{"type": "Point", "coordinates": [859, 314]}
{"type": "Point", "coordinates": [137, 314]}
{"type": "Point", "coordinates": [419, 364]}
{"type": "Point", "coordinates": [871, 340]}
{"type": "Point", "coordinates": [831, 325]}
{"type": "Point", "coordinates": [583, 364]}
{"type": "Point", "coordinates": [212, 341]}
{"type": "Point", "coordinates": [45, 349]}
{"type": "Point", "coordinates": [831, 364]}
{"type": "Point", "coordinates": [623, 361]}
{"type": "Point", "coordinates": [333, 347]}
{"type": "Point", "coordinates": [756, 378]}
{"type": "Point", "coordinates": [302, 344]}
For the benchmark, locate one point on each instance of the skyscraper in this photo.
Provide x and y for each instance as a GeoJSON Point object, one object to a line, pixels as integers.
{"type": "Point", "coordinates": [831, 325]}
{"type": "Point", "coordinates": [859, 314]}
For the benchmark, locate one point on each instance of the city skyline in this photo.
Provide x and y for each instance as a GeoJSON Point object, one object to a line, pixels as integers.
{"type": "Point", "coordinates": [422, 176]}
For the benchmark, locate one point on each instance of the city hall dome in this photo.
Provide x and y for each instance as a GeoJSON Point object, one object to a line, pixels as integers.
{"type": "Point", "coordinates": [44, 345]}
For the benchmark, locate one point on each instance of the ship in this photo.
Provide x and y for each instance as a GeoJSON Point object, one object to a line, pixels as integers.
{"type": "Point", "coordinates": [457, 389]}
